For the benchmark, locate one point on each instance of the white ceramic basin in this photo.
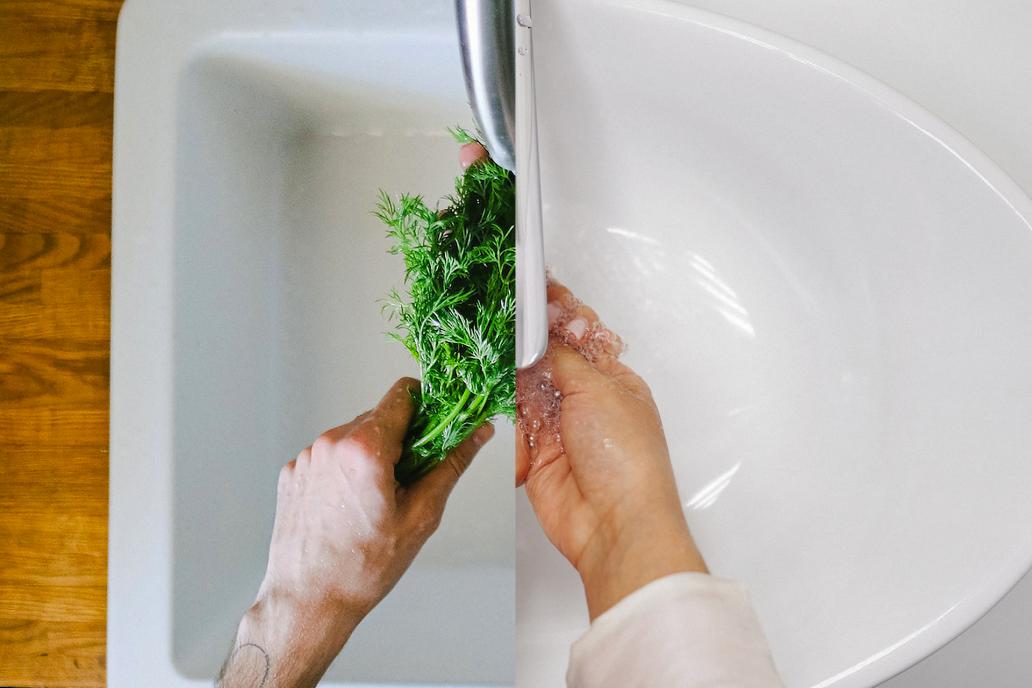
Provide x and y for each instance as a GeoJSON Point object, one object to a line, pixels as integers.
{"type": "Point", "coordinates": [248, 277]}
{"type": "Point", "coordinates": [831, 295]}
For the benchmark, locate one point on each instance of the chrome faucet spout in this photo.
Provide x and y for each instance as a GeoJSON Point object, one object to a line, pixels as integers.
{"type": "Point", "coordinates": [497, 59]}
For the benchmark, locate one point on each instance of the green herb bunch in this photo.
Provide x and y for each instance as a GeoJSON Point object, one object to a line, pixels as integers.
{"type": "Point", "coordinates": [459, 316]}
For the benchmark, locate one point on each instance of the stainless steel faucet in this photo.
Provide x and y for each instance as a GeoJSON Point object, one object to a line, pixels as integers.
{"type": "Point", "coordinates": [497, 58]}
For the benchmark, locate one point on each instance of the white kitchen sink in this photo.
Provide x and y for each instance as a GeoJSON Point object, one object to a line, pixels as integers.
{"type": "Point", "coordinates": [249, 275]}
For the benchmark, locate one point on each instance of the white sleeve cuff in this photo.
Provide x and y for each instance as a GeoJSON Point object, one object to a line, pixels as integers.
{"type": "Point", "coordinates": [686, 630]}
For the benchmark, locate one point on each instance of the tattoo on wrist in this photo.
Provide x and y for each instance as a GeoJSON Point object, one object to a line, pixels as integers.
{"type": "Point", "coordinates": [248, 666]}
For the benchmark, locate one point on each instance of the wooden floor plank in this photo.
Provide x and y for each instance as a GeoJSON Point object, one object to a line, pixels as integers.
{"type": "Point", "coordinates": [42, 163]}
{"type": "Point", "coordinates": [56, 53]}
{"type": "Point", "coordinates": [55, 109]}
{"type": "Point", "coordinates": [64, 213]}
{"type": "Point", "coordinates": [31, 252]}
{"type": "Point", "coordinates": [53, 573]}
{"type": "Point", "coordinates": [100, 10]}
{"type": "Point", "coordinates": [58, 375]}
{"type": "Point", "coordinates": [56, 78]}
{"type": "Point", "coordinates": [52, 654]}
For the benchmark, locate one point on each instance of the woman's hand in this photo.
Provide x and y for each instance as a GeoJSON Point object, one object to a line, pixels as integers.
{"type": "Point", "coordinates": [605, 496]}
{"type": "Point", "coordinates": [345, 532]}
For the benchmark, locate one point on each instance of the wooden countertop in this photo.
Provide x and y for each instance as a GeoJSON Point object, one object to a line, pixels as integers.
{"type": "Point", "coordinates": [56, 85]}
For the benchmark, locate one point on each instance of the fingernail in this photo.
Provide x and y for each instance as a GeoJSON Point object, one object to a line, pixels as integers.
{"type": "Point", "coordinates": [554, 311]}
{"type": "Point", "coordinates": [469, 154]}
{"type": "Point", "coordinates": [577, 327]}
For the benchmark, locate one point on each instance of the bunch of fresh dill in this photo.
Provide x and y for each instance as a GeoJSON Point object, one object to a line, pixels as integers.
{"type": "Point", "coordinates": [458, 319]}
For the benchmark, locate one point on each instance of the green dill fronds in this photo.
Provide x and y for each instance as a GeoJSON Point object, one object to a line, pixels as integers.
{"type": "Point", "coordinates": [458, 319]}
{"type": "Point", "coordinates": [461, 135]}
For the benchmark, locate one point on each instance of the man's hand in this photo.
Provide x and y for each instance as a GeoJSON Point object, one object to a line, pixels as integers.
{"type": "Point", "coordinates": [606, 496]}
{"type": "Point", "coordinates": [345, 532]}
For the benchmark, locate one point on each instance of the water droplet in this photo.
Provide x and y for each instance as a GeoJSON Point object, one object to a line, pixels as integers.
{"type": "Point", "coordinates": [524, 20]}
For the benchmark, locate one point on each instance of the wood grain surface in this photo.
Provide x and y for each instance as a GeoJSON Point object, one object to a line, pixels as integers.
{"type": "Point", "coordinates": [56, 85]}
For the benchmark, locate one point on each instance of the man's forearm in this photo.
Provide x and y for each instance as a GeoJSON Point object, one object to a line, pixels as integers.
{"type": "Point", "coordinates": [343, 536]}
{"type": "Point", "coordinates": [282, 643]}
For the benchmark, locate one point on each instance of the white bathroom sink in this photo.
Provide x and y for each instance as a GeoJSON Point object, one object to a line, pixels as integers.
{"type": "Point", "coordinates": [249, 275]}
{"type": "Point", "coordinates": [831, 294]}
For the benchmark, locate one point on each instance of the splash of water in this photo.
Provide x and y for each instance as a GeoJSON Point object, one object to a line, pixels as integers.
{"type": "Point", "coordinates": [538, 401]}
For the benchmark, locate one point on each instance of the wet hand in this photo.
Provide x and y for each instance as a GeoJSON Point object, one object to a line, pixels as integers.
{"type": "Point", "coordinates": [345, 532]}
{"type": "Point", "coordinates": [604, 493]}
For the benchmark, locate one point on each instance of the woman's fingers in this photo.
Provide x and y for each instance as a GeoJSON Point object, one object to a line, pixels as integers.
{"type": "Point", "coordinates": [577, 320]}
{"type": "Point", "coordinates": [561, 301]}
{"type": "Point", "coordinates": [571, 372]}
{"type": "Point", "coordinates": [567, 314]}
{"type": "Point", "coordinates": [605, 359]}
{"type": "Point", "coordinates": [522, 456]}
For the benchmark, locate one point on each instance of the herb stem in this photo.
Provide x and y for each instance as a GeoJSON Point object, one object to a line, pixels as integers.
{"type": "Point", "coordinates": [478, 405]}
{"type": "Point", "coordinates": [440, 427]}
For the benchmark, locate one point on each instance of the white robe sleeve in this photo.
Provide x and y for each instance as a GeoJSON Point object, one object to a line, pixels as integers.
{"type": "Point", "coordinates": [687, 630]}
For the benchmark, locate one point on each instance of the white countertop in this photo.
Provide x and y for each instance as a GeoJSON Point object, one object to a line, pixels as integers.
{"type": "Point", "coordinates": [969, 63]}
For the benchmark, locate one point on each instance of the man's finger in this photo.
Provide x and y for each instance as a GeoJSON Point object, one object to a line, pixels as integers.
{"type": "Point", "coordinates": [428, 494]}
{"type": "Point", "coordinates": [393, 415]}
{"type": "Point", "coordinates": [470, 153]}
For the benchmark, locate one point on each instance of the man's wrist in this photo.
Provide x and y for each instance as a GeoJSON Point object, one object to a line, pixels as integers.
{"type": "Point", "coordinates": [288, 638]}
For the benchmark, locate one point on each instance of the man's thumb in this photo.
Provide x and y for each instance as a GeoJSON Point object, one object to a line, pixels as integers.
{"type": "Point", "coordinates": [432, 490]}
